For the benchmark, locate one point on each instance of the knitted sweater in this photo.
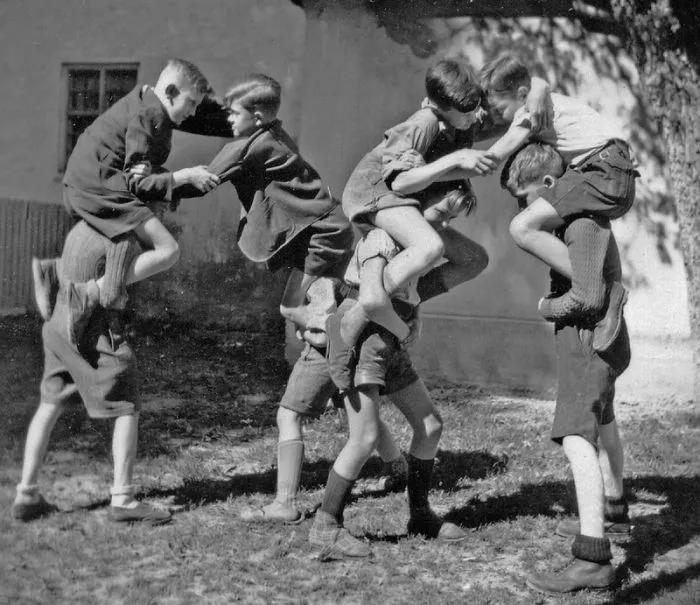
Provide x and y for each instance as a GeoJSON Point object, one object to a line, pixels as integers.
{"type": "Point", "coordinates": [87, 254]}
{"type": "Point", "coordinates": [595, 261]}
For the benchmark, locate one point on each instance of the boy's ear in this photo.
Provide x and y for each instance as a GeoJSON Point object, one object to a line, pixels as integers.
{"type": "Point", "coordinates": [258, 118]}
{"type": "Point", "coordinates": [548, 180]}
{"type": "Point", "coordinates": [523, 91]}
{"type": "Point", "coordinates": [172, 91]}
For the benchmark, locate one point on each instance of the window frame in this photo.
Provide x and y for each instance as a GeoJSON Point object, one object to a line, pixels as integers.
{"type": "Point", "coordinates": [66, 68]}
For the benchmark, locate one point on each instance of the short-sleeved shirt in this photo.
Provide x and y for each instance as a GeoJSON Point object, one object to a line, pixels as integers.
{"type": "Point", "coordinates": [577, 129]}
{"type": "Point", "coordinates": [373, 244]}
{"type": "Point", "coordinates": [421, 139]}
{"type": "Point", "coordinates": [288, 213]}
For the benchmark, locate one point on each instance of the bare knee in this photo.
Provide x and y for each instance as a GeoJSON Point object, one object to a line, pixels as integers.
{"type": "Point", "coordinates": [430, 251]}
{"type": "Point", "coordinates": [521, 231]}
{"type": "Point", "coordinates": [433, 427]}
{"type": "Point", "coordinates": [287, 419]}
{"type": "Point", "coordinates": [374, 302]}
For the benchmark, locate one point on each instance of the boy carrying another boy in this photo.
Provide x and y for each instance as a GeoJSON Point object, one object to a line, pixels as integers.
{"type": "Point", "coordinates": [426, 155]}
{"type": "Point", "coordinates": [383, 366]}
{"type": "Point", "coordinates": [584, 417]}
{"type": "Point", "coordinates": [114, 171]}
{"type": "Point", "coordinates": [599, 179]}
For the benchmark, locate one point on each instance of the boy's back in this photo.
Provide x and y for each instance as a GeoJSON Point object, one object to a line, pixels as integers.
{"type": "Point", "coordinates": [577, 129]}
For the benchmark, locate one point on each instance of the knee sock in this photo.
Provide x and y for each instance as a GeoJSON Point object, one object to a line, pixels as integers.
{"type": "Point", "coordinates": [431, 285]}
{"type": "Point", "coordinates": [420, 474]}
{"type": "Point", "coordinates": [290, 457]}
{"type": "Point", "coordinates": [595, 550]}
{"type": "Point", "coordinates": [616, 510]}
{"type": "Point", "coordinates": [336, 495]}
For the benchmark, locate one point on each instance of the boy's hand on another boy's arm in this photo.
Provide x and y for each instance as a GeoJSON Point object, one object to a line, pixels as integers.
{"type": "Point", "coordinates": [511, 141]}
{"type": "Point", "coordinates": [474, 162]}
{"type": "Point", "coordinates": [197, 176]}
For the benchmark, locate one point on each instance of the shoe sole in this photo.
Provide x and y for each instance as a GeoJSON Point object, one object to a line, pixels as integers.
{"type": "Point", "coordinates": [552, 593]}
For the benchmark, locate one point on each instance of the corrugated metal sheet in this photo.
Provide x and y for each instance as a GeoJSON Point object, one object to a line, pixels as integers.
{"type": "Point", "coordinates": [27, 229]}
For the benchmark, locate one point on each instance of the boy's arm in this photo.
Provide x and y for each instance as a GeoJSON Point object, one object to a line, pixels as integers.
{"type": "Point", "coordinates": [588, 244]}
{"type": "Point", "coordinates": [539, 104]}
{"type": "Point", "coordinates": [210, 119]}
{"type": "Point", "coordinates": [140, 143]}
{"type": "Point", "coordinates": [460, 164]}
{"type": "Point", "coordinates": [375, 301]}
{"type": "Point", "coordinates": [516, 136]}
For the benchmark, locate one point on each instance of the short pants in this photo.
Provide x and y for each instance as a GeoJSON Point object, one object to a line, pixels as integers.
{"type": "Point", "coordinates": [383, 362]}
{"type": "Point", "coordinates": [309, 386]}
{"type": "Point", "coordinates": [602, 185]}
{"type": "Point", "coordinates": [101, 370]}
{"type": "Point", "coordinates": [586, 382]}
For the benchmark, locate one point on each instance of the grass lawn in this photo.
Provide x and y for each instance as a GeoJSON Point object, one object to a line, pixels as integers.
{"type": "Point", "coordinates": [207, 449]}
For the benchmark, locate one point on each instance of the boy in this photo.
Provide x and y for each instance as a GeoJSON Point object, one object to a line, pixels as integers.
{"type": "Point", "coordinates": [384, 367]}
{"type": "Point", "coordinates": [100, 369]}
{"type": "Point", "coordinates": [308, 389]}
{"type": "Point", "coordinates": [599, 180]}
{"type": "Point", "coordinates": [584, 418]}
{"type": "Point", "coordinates": [115, 169]}
{"type": "Point", "coordinates": [290, 218]}
{"type": "Point", "coordinates": [426, 153]}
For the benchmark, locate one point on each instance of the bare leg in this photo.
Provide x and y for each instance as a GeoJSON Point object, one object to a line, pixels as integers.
{"type": "Point", "coordinates": [362, 409]}
{"type": "Point", "coordinates": [35, 447]}
{"type": "Point", "coordinates": [531, 230]}
{"type": "Point", "coordinates": [415, 404]}
{"type": "Point", "coordinates": [162, 254]}
{"type": "Point", "coordinates": [611, 460]}
{"type": "Point", "coordinates": [386, 446]}
{"type": "Point", "coordinates": [588, 481]}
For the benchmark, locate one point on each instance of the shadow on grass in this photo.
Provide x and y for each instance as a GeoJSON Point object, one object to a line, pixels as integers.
{"type": "Point", "coordinates": [672, 527]}
{"type": "Point", "coordinates": [646, 589]}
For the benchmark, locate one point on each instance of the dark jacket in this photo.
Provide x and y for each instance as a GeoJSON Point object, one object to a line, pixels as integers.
{"type": "Point", "coordinates": [289, 215]}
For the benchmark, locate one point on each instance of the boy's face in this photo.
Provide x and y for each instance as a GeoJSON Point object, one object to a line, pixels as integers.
{"type": "Point", "coordinates": [528, 193]}
{"type": "Point", "coordinates": [463, 120]}
{"type": "Point", "coordinates": [242, 120]}
{"type": "Point", "coordinates": [441, 213]}
{"type": "Point", "coordinates": [184, 104]}
{"type": "Point", "coordinates": [503, 106]}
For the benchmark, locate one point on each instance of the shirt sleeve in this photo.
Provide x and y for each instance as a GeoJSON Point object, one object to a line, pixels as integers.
{"type": "Point", "coordinates": [210, 119]}
{"type": "Point", "coordinates": [406, 144]}
{"type": "Point", "coordinates": [157, 186]}
{"type": "Point", "coordinates": [588, 243]}
{"type": "Point", "coordinates": [376, 243]}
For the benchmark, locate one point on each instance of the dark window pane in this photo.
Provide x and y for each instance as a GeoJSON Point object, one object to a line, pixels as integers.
{"type": "Point", "coordinates": [118, 82]}
{"type": "Point", "coordinates": [84, 89]}
{"type": "Point", "coordinates": [76, 125]}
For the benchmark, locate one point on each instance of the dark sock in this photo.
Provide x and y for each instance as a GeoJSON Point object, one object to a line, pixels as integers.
{"type": "Point", "coordinates": [616, 510]}
{"type": "Point", "coordinates": [420, 474]}
{"type": "Point", "coordinates": [336, 495]}
{"type": "Point", "coordinates": [595, 550]}
{"type": "Point", "coordinates": [431, 285]}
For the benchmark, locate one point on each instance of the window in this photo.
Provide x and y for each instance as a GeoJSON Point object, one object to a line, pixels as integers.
{"type": "Point", "coordinates": [91, 89]}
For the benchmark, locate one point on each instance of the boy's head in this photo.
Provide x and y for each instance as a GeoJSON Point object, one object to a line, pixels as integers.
{"type": "Point", "coordinates": [452, 88]}
{"type": "Point", "coordinates": [439, 209]}
{"type": "Point", "coordinates": [252, 102]}
{"type": "Point", "coordinates": [181, 87]}
{"type": "Point", "coordinates": [532, 167]}
{"type": "Point", "coordinates": [506, 81]}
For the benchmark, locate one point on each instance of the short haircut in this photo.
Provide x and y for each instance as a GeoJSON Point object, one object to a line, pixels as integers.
{"type": "Point", "coordinates": [504, 75]}
{"type": "Point", "coordinates": [451, 84]}
{"type": "Point", "coordinates": [189, 75]}
{"type": "Point", "coordinates": [255, 91]}
{"type": "Point", "coordinates": [530, 164]}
